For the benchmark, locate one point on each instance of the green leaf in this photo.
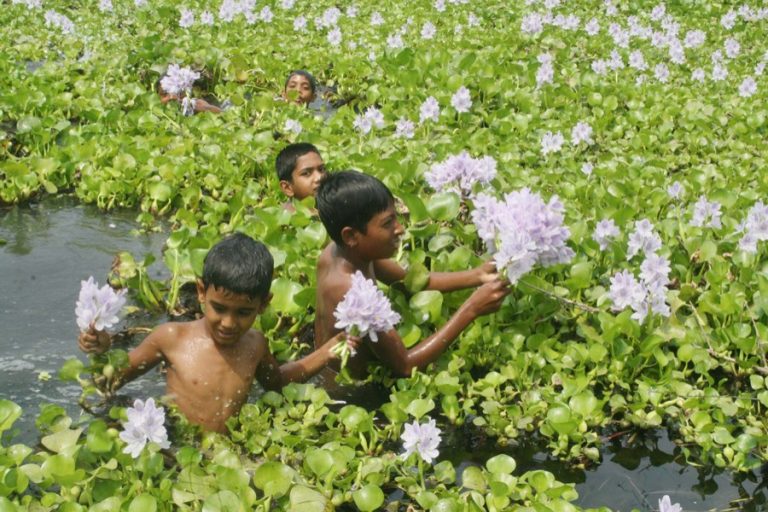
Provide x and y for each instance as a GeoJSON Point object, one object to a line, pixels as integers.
{"type": "Point", "coordinates": [273, 478]}
{"type": "Point", "coordinates": [9, 413]}
{"type": "Point", "coordinates": [143, 503]}
{"type": "Point", "coordinates": [444, 206]}
{"type": "Point", "coordinates": [420, 407]}
{"type": "Point", "coordinates": [501, 464]}
{"type": "Point", "coordinates": [223, 501]}
{"type": "Point", "coordinates": [71, 370]}
{"type": "Point", "coordinates": [427, 304]}
{"type": "Point", "coordinates": [304, 499]}
{"type": "Point", "coordinates": [472, 478]}
{"type": "Point", "coordinates": [368, 498]}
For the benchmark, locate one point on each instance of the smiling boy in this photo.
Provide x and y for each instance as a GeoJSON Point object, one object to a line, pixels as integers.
{"type": "Point", "coordinates": [358, 212]}
{"type": "Point", "coordinates": [213, 361]}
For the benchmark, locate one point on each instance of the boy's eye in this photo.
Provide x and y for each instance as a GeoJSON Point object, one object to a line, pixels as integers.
{"type": "Point", "coordinates": [218, 309]}
{"type": "Point", "coordinates": [245, 312]}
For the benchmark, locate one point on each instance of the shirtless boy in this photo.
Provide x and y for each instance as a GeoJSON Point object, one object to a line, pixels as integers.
{"type": "Point", "coordinates": [300, 87]}
{"type": "Point", "coordinates": [358, 212]}
{"type": "Point", "coordinates": [212, 361]}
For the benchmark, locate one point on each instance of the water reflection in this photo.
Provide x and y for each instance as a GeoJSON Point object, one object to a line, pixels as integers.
{"type": "Point", "coordinates": [636, 470]}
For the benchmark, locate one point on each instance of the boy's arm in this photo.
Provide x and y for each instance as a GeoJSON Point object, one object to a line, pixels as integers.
{"type": "Point", "coordinates": [388, 272]}
{"type": "Point", "coordinates": [141, 359]}
{"type": "Point", "coordinates": [272, 375]}
{"type": "Point", "coordinates": [391, 351]}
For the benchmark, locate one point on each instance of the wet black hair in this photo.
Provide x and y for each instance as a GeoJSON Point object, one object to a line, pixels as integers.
{"type": "Point", "coordinates": [305, 74]}
{"type": "Point", "coordinates": [350, 199]}
{"type": "Point", "coordinates": [239, 264]}
{"type": "Point", "coordinates": [286, 159]}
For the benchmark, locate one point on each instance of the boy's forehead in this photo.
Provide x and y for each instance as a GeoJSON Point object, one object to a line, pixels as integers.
{"type": "Point", "coordinates": [228, 297]}
{"type": "Point", "coordinates": [298, 79]}
{"type": "Point", "coordinates": [310, 159]}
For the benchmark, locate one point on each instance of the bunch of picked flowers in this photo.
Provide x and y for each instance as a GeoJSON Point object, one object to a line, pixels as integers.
{"type": "Point", "coordinates": [364, 311]}
{"type": "Point", "coordinates": [521, 231]}
{"type": "Point", "coordinates": [98, 308]}
{"type": "Point", "coordinates": [178, 82]}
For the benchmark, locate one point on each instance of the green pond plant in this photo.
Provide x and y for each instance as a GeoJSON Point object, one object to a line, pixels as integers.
{"type": "Point", "coordinates": [646, 121]}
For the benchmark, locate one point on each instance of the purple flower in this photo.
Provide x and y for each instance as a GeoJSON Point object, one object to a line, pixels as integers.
{"type": "Point", "coordinates": [145, 424]}
{"type": "Point", "coordinates": [422, 439]}
{"type": "Point", "coordinates": [372, 117]}
{"type": "Point", "coordinates": [206, 18]}
{"type": "Point", "coordinates": [376, 19]}
{"type": "Point", "coordinates": [291, 125]}
{"type": "Point", "coordinates": [429, 110]}
{"type": "Point", "coordinates": [654, 271]}
{"type": "Point", "coordinates": [626, 291]}
{"type": "Point", "coordinates": [334, 36]}
{"type": "Point", "coordinates": [605, 230]}
{"type": "Point", "coordinates": [748, 87]}
{"type": "Point", "coordinates": [461, 100]}
{"type": "Point", "coordinates": [551, 142]}
{"type": "Point", "coordinates": [582, 132]}
{"type": "Point", "coordinates": [428, 31]}
{"type": "Point", "coordinates": [461, 170]}
{"type": "Point", "coordinates": [178, 80]}
{"type": "Point", "coordinates": [98, 307]}
{"type": "Point", "coordinates": [404, 128]}
{"type": "Point", "coordinates": [365, 310]}
{"type": "Point", "coordinates": [522, 229]}
{"type": "Point", "coordinates": [643, 239]}
{"type": "Point", "coordinates": [187, 18]}
{"type": "Point", "coordinates": [706, 213]}
{"type": "Point", "coordinates": [675, 190]}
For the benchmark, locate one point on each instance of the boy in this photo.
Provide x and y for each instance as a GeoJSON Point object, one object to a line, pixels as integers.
{"type": "Point", "coordinates": [358, 212]}
{"type": "Point", "coordinates": [301, 83]}
{"type": "Point", "coordinates": [212, 361]}
{"type": "Point", "coordinates": [299, 169]}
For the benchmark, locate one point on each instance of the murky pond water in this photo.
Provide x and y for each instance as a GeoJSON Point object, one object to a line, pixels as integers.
{"type": "Point", "coordinates": [49, 247]}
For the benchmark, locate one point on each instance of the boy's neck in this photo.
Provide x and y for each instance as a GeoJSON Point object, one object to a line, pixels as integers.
{"type": "Point", "coordinates": [354, 260]}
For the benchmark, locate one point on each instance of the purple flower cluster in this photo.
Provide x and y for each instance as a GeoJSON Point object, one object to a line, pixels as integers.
{"type": "Point", "coordinates": [755, 227]}
{"type": "Point", "coordinates": [644, 296]}
{"type": "Point", "coordinates": [643, 239]}
{"type": "Point", "coordinates": [145, 425]}
{"type": "Point", "coordinates": [706, 213]}
{"type": "Point", "coordinates": [365, 310]}
{"type": "Point", "coordinates": [461, 170]}
{"type": "Point", "coordinates": [178, 80]}
{"type": "Point", "coordinates": [522, 230]}
{"type": "Point", "coordinates": [98, 307]}
{"type": "Point", "coordinates": [371, 118]}
{"type": "Point", "coordinates": [605, 231]}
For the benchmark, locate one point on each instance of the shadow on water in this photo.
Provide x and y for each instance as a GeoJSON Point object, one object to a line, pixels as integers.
{"type": "Point", "coordinates": [50, 246]}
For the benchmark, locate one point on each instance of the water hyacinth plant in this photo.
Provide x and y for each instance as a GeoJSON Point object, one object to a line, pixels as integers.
{"type": "Point", "coordinates": [98, 308]}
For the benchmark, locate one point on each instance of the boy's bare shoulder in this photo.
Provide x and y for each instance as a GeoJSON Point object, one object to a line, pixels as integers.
{"type": "Point", "coordinates": [254, 343]}
{"type": "Point", "coordinates": [172, 333]}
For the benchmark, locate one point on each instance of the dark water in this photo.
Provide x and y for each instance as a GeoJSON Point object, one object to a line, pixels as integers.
{"type": "Point", "coordinates": [634, 473]}
{"type": "Point", "coordinates": [50, 247]}
{"type": "Point", "coordinates": [47, 249]}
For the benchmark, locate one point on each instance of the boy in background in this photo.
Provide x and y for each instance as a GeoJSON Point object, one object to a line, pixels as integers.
{"type": "Point", "coordinates": [213, 361]}
{"type": "Point", "coordinates": [358, 211]}
{"type": "Point", "coordinates": [299, 169]}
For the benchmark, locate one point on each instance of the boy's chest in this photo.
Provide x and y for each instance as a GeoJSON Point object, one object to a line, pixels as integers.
{"type": "Point", "coordinates": [213, 373]}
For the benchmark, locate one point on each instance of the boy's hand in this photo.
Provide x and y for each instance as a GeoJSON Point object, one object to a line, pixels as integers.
{"type": "Point", "coordinates": [93, 341]}
{"type": "Point", "coordinates": [488, 298]}
{"type": "Point", "coordinates": [487, 272]}
{"type": "Point", "coordinates": [352, 342]}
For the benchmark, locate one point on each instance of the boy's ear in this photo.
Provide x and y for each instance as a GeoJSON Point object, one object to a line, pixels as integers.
{"type": "Point", "coordinates": [349, 236]}
{"type": "Point", "coordinates": [200, 291]}
{"type": "Point", "coordinates": [265, 302]}
{"type": "Point", "coordinates": [287, 188]}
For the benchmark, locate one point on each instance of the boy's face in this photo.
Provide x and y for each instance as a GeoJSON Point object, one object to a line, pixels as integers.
{"type": "Point", "coordinates": [301, 85]}
{"type": "Point", "coordinates": [305, 177]}
{"type": "Point", "coordinates": [381, 238]}
{"type": "Point", "coordinates": [228, 316]}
